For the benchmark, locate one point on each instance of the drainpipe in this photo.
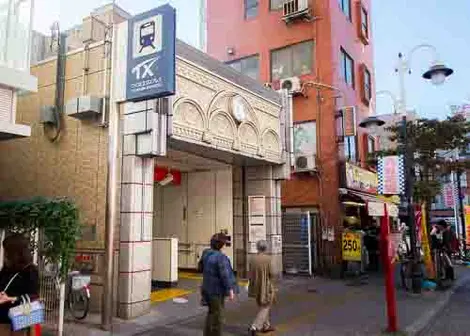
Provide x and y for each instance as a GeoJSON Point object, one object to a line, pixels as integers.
{"type": "Point", "coordinates": [85, 69]}
{"type": "Point", "coordinates": [111, 208]}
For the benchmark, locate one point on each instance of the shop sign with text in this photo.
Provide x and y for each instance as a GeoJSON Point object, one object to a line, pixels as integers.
{"type": "Point", "coordinates": [360, 179]}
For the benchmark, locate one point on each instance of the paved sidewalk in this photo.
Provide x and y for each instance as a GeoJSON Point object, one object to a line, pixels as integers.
{"type": "Point", "coordinates": [305, 307]}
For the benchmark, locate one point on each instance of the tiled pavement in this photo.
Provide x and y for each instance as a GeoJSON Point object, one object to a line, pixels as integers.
{"type": "Point", "coordinates": [305, 307]}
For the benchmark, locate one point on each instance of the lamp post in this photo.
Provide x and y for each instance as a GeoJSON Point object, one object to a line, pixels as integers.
{"type": "Point", "coordinates": [437, 74]}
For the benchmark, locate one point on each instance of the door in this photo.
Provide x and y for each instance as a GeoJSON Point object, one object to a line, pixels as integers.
{"type": "Point", "coordinates": [173, 218]}
{"type": "Point", "coordinates": [297, 243]}
{"type": "Point", "coordinates": [201, 212]}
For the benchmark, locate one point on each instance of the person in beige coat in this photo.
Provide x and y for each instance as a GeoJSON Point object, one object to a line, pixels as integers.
{"type": "Point", "coordinates": [261, 288]}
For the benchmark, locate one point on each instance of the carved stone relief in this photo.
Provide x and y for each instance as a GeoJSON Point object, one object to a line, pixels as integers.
{"type": "Point", "coordinates": [203, 111]}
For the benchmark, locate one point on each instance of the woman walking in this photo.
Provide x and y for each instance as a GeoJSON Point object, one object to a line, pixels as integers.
{"type": "Point", "coordinates": [218, 283]}
{"type": "Point", "coordinates": [261, 288]}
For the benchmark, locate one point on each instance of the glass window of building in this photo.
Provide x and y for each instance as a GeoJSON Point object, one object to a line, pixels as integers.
{"type": "Point", "coordinates": [248, 66]}
{"type": "Point", "coordinates": [367, 85]}
{"type": "Point", "coordinates": [294, 60]}
{"type": "Point", "coordinates": [345, 6]}
{"type": "Point", "coordinates": [347, 68]}
{"type": "Point", "coordinates": [370, 145]}
{"type": "Point", "coordinates": [251, 8]}
{"type": "Point", "coordinates": [364, 22]}
{"type": "Point", "coordinates": [276, 4]}
{"type": "Point", "coordinates": [350, 148]}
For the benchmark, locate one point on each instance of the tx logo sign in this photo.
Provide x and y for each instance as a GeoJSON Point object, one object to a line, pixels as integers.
{"type": "Point", "coordinates": [144, 69]}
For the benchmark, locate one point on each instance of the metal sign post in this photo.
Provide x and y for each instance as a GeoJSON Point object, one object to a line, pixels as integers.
{"type": "Point", "coordinates": [387, 252]}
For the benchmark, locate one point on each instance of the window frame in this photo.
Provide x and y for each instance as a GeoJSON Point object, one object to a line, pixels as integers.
{"type": "Point", "coordinates": [348, 147]}
{"type": "Point", "coordinates": [273, 9]}
{"type": "Point", "coordinates": [342, 7]}
{"type": "Point", "coordinates": [364, 28]}
{"type": "Point", "coordinates": [240, 60]}
{"type": "Point", "coordinates": [366, 86]}
{"type": "Point", "coordinates": [291, 48]}
{"type": "Point", "coordinates": [255, 5]}
{"type": "Point", "coordinates": [344, 57]}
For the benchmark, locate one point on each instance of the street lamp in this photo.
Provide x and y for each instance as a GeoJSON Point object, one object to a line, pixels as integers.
{"type": "Point", "coordinates": [437, 74]}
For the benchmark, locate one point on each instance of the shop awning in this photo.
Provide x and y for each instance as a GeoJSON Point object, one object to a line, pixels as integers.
{"type": "Point", "coordinates": [374, 204]}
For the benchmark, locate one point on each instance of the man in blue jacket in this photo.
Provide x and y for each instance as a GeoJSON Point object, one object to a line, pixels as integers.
{"type": "Point", "coordinates": [217, 284]}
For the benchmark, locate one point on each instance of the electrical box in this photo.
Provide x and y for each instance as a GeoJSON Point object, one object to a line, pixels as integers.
{"type": "Point", "coordinates": [165, 262]}
{"type": "Point", "coordinates": [48, 115]}
{"type": "Point", "coordinates": [85, 107]}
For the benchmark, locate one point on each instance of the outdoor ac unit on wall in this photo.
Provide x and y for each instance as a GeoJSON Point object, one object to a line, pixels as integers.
{"type": "Point", "coordinates": [291, 84]}
{"type": "Point", "coordinates": [295, 9]}
{"type": "Point", "coordinates": [304, 163]}
{"type": "Point", "coordinates": [86, 107]}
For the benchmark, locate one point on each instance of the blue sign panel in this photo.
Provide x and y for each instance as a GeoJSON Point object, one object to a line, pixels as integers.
{"type": "Point", "coordinates": [151, 54]}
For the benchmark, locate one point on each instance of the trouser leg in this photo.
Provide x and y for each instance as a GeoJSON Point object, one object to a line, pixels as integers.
{"type": "Point", "coordinates": [213, 326]}
{"type": "Point", "coordinates": [262, 318]}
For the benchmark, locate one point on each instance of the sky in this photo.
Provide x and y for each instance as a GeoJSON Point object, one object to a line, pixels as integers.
{"type": "Point", "coordinates": [397, 26]}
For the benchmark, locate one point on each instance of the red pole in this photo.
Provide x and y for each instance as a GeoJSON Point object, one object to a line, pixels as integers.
{"type": "Point", "coordinates": [389, 276]}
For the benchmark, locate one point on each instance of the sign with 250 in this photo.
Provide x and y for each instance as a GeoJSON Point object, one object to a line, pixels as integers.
{"type": "Point", "coordinates": [352, 246]}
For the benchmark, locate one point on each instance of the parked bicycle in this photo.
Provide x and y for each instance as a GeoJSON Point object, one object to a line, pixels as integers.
{"type": "Point", "coordinates": [77, 290]}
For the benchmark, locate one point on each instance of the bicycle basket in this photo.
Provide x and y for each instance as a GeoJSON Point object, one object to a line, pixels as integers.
{"type": "Point", "coordinates": [80, 281]}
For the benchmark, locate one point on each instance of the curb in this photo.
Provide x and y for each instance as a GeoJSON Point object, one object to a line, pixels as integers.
{"type": "Point", "coordinates": [420, 325]}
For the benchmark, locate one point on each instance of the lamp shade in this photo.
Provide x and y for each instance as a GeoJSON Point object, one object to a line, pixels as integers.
{"type": "Point", "coordinates": [438, 74]}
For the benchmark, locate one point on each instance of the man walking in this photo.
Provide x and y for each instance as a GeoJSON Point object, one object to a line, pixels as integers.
{"type": "Point", "coordinates": [217, 284]}
{"type": "Point", "coordinates": [261, 288]}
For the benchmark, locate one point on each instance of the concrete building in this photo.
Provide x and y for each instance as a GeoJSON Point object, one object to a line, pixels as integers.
{"type": "Point", "coordinates": [323, 52]}
{"type": "Point", "coordinates": [15, 34]}
{"type": "Point", "coordinates": [226, 151]}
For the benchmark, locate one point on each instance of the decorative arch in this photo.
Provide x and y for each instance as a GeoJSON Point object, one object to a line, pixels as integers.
{"type": "Point", "coordinates": [222, 124]}
{"type": "Point", "coordinates": [271, 141]}
{"type": "Point", "coordinates": [228, 95]}
{"type": "Point", "coordinates": [248, 133]}
{"type": "Point", "coordinates": [193, 116]}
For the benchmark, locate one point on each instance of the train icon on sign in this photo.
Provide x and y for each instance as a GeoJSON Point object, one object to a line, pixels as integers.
{"type": "Point", "coordinates": [147, 36]}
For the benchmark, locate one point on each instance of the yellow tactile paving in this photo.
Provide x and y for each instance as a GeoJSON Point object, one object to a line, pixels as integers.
{"type": "Point", "coordinates": [195, 276]}
{"type": "Point", "coordinates": [168, 294]}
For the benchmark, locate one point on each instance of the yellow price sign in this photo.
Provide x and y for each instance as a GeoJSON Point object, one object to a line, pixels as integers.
{"type": "Point", "coordinates": [352, 246]}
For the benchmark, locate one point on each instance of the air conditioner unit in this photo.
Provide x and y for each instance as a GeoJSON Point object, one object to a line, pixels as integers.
{"type": "Point", "coordinates": [305, 163]}
{"type": "Point", "coordinates": [295, 9]}
{"type": "Point", "coordinates": [85, 107]}
{"type": "Point", "coordinates": [292, 84]}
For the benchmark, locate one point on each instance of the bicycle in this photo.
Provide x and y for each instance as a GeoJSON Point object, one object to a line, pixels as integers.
{"type": "Point", "coordinates": [77, 290]}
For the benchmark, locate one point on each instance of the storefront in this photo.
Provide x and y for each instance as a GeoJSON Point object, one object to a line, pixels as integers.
{"type": "Point", "coordinates": [362, 209]}
{"type": "Point", "coordinates": [208, 159]}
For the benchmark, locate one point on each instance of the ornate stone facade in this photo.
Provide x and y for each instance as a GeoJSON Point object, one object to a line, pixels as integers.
{"type": "Point", "coordinates": [202, 113]}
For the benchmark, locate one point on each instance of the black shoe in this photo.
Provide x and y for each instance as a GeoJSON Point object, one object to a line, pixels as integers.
{"type": "Point", "coordinates": [252, 331]}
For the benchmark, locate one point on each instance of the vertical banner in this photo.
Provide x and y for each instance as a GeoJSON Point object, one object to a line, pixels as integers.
{"type": "Point", "coordinates": [448, 192]}
{"type": "Point", "coordinates": [391, 175]}
{"type": "Point", "coordinates": [429, 265]}
{"type": "Point", "coordinates": [466, 209]}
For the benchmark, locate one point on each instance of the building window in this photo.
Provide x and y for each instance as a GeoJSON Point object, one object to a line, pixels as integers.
{"type": "Point", "coordinates": [370, 144]}
{"type": "Point", "coordinates": [364, 23]}
{"type": "Point", "coordinates": [249, 66]}
{"type": "Point", "coordinates": [350, 148]}
{"type": "Point", "coordinates": [366, 85]}
{"type": "Point", "coordinates": [294, 60]}
{"type": "Point", "coordinates": [347, 68]}
{"type": "Point", "coordinates": [251, 8]}
{"type": "Point", "coordinates": [276, 4]}
{"type": "Point", "coordinates": [345, 6]}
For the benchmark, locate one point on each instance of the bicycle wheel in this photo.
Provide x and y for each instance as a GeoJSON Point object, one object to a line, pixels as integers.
{"type": "Point", "coordinates": [79, 303]}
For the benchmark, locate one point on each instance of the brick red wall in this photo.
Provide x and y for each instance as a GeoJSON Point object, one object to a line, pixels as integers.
{"type": "Point", "coordinates": [227, 28]}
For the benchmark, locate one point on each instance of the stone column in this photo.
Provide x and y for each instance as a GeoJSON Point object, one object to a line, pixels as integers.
{"type": "Point", "coordinates": [262, 181]}
{"type": "Point", "coordinates": [135, 241]}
